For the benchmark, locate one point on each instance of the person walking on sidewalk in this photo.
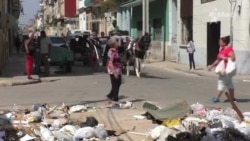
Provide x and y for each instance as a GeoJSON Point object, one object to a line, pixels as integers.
{"type": "Point", "coordinates": [191, 50]}
{"type": "Point", "coordinates": [17, 43]}
{"type": "Point", "coordinates": [30, 50]}
{"type": "Point", "coordinates": [45, 48]}
{"type": "Point", "coordinates": [225, 81]}
{"type": "Point", "coordinates": [114, 69]}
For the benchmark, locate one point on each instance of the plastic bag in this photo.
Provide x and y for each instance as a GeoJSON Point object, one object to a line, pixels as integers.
{"type": "Point", "coordinates": [61, 136]}
{"type": "Point", "coordinates": [246, 131]}
{"type": "Point", "coordinates": [156, 132]}
{"type": "Point", "coordinates": [213, 114]}
{"type": "Point", "coordinates": [198, 109]}
{"type": "Point", "coordinates": [230, 112]}
{"type": "Point", "coordinates": [90, 122]}
{"type": "Point", "coordinates": [46, 134]}
{"type": "Point", "coordinates": [77, 108]}
{"type": "Point", "coordinates": [231, 67]}
{"type": "Point", "coordinates": [220, 68]}
{"type": "Point", "coordinates": [101, 133]}
{"type": "Point", "coordinates": [68, 129]}
{"type": "Point", "coordinates": [84, 133]}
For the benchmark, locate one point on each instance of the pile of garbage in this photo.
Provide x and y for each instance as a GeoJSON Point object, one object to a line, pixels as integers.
{"type": "Point", "coordinates": [46, 123]}
{"type": "Point", "coordinates": [182, 122]}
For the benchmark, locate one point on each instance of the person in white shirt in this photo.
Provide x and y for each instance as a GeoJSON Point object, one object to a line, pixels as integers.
{"type": "Point", "coordinates": [45, 48]}
{"type": "Point", "coordinates": [191, 50]}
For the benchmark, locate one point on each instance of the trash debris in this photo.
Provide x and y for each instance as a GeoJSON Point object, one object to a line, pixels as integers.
{"type": "Point", "coordinates": [156, 132]}
{"type": "Point", "coordinates": [77, 108]}
{"type": "Point", "coordinates": [46, 134]}
{"type": "Point", "coordinates": [90, 122]}
{"type": "Point", "coordinates": [139, 117]}
{"type": "Point", "coordinates": [84, 133]}
{"type": "Point", "coordinates": [176, 110]}
{"type": "Point", "coordinates": [176, 122]}
{"type": "Point", "coordinates": [126, 105]}
{"type": "Point", "coordinates": [198, 109]}
{"type": "Point", "coordinates": [172, 122]}
{"type": "Point", "coordinates": [245, 80]}
{"type": "Point", "coordinates": [27, 138]}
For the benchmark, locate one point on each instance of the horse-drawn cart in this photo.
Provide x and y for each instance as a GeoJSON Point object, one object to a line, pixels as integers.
{"type": "Point", "coordinates": [85, 50]}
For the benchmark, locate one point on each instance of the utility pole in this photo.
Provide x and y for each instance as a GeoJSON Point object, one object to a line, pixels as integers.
{"type": "Point", "coordinates": [232, 9]}
{"type": "Point", "coordinates": [145, 17]}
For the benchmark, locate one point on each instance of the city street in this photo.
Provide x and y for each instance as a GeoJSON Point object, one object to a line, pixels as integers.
{"type": "Point", "coordinates": [156, 85]}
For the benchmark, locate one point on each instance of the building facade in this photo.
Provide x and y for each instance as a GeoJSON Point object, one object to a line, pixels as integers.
{"type": "Point", "coordinates": [57, 17]}
{"type": "Point", "coordinates": [162, 25]}
{"type": "Point", "coordinates": [82, 15]}
{"type": "Point", "coordinates": [9, 15]}
{"type": "Point", "coordinates": [209, 22]}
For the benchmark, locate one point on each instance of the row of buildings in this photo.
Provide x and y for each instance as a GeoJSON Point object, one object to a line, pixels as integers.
{"type": "Point", "coordinates": [170, 23]}
{"type": "Point", "coordinates": [9, 14]}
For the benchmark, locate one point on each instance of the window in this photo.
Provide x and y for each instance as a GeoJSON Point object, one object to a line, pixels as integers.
{"type": "Point", "coordinates": [186, 29]}
{"type": "Point", "coordinates": [139, 28]}
{"type": "Point", "coordinates": [205, 1]}
{"type": "Point", "coordinates": [157, 24]}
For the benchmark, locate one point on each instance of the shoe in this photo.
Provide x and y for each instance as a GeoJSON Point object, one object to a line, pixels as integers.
{"type": "Point", "coordinates": [30, 78]}
{"type": "Point", "coordinates": [227, 100]}
{"type": "Point", "coordinates": [215, 99]}
{"type": "Point", "coordinates": [109, 97]}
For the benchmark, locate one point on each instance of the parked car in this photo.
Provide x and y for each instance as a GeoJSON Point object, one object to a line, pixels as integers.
{"type": "Point", "coordinates": [61, 55]}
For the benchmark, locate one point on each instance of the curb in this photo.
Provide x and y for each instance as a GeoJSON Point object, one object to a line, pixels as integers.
{"type": "Point", "coordinates": [6, 83]}
{"type": "Point", "coordinates": [198, 74]}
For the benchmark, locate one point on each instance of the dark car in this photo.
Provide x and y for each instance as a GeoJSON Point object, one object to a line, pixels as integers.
{"type": "Point", "coordinates": [60, 55]}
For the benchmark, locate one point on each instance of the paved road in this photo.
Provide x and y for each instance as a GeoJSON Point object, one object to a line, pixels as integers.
{"type": "Point", "coordinates": [156, 85]}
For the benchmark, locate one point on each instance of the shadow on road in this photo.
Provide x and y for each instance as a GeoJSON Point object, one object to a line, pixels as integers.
{"type": "Point", "coordinates": [102, 100]}
{"type": "Point", "coordinates": [243, 100]}
{"type": "Point", "coordinates": [15, 67]}
{"type": "Point", "coordinates": [146, 75]}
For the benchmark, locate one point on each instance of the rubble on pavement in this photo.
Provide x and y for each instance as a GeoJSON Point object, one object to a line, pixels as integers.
{"type": "Point", "coordinates": [176, 122]}
{"type": "Point", "coordinates": [52, 123]}
{"type": "Point", "coordinates": [198, 124]}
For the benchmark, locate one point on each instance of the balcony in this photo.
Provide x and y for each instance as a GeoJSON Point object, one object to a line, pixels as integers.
{"type": "Point", "coordinates": [88, 2]}
{"type": "Point", "coordinates": [93, 3]}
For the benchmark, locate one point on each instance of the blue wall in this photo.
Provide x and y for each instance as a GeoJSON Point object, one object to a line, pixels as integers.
{"type": "Point", "coordinates": [157, 10]}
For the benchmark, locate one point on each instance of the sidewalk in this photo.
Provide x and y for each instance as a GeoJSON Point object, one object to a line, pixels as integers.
{"type": "Point", "coordinates": [184, 69]}
{"type": "Point", "coordinates": [13, 73]}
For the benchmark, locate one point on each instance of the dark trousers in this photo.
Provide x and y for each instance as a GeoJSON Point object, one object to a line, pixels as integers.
{"type": "Point", "coordinates": [191, 60]}
{"type": "Point", "coordinates": [43, 58]}
{"type": "Point", "coordinates": [115, 83]}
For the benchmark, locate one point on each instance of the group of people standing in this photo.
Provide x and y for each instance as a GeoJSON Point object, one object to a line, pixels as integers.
{"type": "Point", "coordinates": [39, 50]}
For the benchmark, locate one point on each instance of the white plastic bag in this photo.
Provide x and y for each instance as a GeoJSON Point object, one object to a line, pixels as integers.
{"type": "Point", "coordinates": [84, 133]}
{"type": "Point", "coordinates": [46, 134]}
{"type": "Point", "coordinates": [156, 132]}
{"type": "Point", "coordinates": [220, 68]}
{"type": "Point", "coordinates": [69, 129]}
{"type": "Point", "coordinates": [231, 67]}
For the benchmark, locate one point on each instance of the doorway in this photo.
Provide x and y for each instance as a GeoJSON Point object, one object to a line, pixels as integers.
{"type": "Point", "coordinates": [213, 36]}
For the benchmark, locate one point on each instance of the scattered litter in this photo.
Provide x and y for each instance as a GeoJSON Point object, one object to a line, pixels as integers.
{"type": "Point", "coordinates": [77, 108]}
{"type": "Point", "coordinates": [246, 80]}
{"type": "Point", "coordinates": [177, 121]}
{"type": "Point", "coordinates": [126, 105]}
{"type": "Point", "coordinates": [139, 117]}
{"type": "Point", "coordinates": [27, 138]}
{"type": "Point", "coordinates": [171, 122]}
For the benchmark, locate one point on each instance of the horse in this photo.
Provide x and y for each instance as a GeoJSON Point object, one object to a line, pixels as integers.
{"type": "Point", "coordinates": [136, 53]}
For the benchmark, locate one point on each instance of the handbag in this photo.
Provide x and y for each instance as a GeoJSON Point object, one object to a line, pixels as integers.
{"type": "Point", "coordinates": [220, 68]}
{"type": "Point", "coordinates": [231, 68]}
